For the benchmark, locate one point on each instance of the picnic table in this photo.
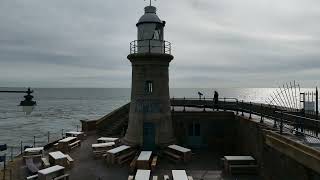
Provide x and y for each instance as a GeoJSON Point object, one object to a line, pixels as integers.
{"type": "Point", "coordinates": [101, 148]}
{"type": "Point", "coordinates": [179, 175]}
{"type": "Point", "coordinates": [58, 158]}
{"type": "Point", "coordinates": [107, 139]}
{"type": "Point", "coordinates": [33, 152]}
{"type": "Point", "coordinates": [79, 135]}
{"type": "Point", "coordinates": [68, 143]}
{"type": "Point", "coordinates": [116, 152]}
{"type": "Point", "coordinates": [51, 172]}
{"type": "Point", "coordinates": [143, 161]}
{"type": "Point", "coordinates": [142, 174]}
{"type": "Point", "coordinates": [238, 162]}
{"type": "Point", "coordinates": [184, 152]}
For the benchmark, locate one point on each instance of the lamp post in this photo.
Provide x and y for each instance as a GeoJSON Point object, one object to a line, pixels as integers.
{"type": "Point", "coordinates": [27, 104]}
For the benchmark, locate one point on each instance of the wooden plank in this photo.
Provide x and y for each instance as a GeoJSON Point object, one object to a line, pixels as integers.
{"type": "Point", "coordinates": [179, 175]}
{"type": "Point", "coordinates": [142, 174]}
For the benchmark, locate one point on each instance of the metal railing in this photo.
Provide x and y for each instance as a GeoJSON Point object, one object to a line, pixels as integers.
{"type": "Point", "coordinates": [282, 119]}
{"type": "Point", "coordinates": [16, 149]}
{"type": "Point", "coordinates": [150, 46]}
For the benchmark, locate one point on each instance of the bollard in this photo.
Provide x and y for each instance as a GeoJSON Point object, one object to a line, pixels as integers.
{"type": "Point", "coordinates": [261, 114]}
{"type": "Point", "coordinates": [242, 109]}
{"type": "Point", "coordinates": [250, 110]}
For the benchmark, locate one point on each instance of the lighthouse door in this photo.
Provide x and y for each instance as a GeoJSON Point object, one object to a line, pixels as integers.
{"type": "Point", "coordinates": [148, 136]}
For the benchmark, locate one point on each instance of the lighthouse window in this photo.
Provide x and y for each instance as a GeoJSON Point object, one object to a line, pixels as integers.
{"type": "Point", "coordinates": [149, 87]}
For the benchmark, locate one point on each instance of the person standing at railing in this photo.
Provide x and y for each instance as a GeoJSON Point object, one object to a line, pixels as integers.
{"type": "Point", "coordinates": [215, 100]}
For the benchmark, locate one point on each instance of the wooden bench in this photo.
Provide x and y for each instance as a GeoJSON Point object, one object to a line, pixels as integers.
{"type": "Point", "coordinates": [126, 157]}
{"type": "Point", "coordinates": [74, 144]}
{"type": "Point", "coordinates": [172, 156]}
{"type": "Point", "coordinates": [243, 169]}
{"type": "Point", "coordinates": [31, 166]}
{"type": "Point", "coordinates": [133, 164]}
{"type": "Point", "coordinates": [70, 160]}
{"type": "Point", "coordinates": [65, 176]}
{"type": "Point", "coordinates": [45, 162]}
{"type": "Point", "coordinates": [154, 163]}
{"type": "Point", "coordinates": [32, 177]}
{"type": "Point", "coordinates": [100, 153]}
{"type": "Point", "coordinates": [183, 152]}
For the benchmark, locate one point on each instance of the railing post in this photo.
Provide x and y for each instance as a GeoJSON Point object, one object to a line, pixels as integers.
{"type": "Point", "coordinates": [275, 119]}
{"type": "Point", "coordinates": [281, 123]}
{"type": "Point", "coordinates": [48, 136]}
{"type": "Point", "coordinates": [224, 104]}
{"type": "Point", "coordinates": [250, 117]}
{"type": "Point", "coordinates": [237, 106]}
{"type": "Point", "coordinates": [242, 108]}
{"type": "Point", "coordinates": [21, 147]}
{"type": "Point", "coordinates": [261, 114]}
{"type": "Point", "coordinates": [11, 153]}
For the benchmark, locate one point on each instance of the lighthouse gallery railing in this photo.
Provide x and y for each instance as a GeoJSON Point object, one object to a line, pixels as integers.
{"type": "Point", "coordinates": [149, 46]}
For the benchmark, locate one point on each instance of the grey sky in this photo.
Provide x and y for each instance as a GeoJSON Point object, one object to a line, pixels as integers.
{"type": "Point", "coordinates": [216, 43]}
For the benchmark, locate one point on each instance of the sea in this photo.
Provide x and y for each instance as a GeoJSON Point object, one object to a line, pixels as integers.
{"type": "Point", "coordinates": [60, 109]}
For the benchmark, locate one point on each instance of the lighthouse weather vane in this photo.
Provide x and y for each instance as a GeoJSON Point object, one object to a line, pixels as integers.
{"type": "Point", "coordinates": [150, 2]}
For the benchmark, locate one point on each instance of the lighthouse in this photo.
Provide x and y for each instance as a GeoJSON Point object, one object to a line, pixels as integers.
{"type": "Point", "coordinates": [150, 123]}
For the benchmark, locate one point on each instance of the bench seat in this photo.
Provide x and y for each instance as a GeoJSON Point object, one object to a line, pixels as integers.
{"type": "Point", "coordinates": [45, 162]}
{"type": "Point", "coordinates": [125, 157]}
{"type": "Point", "coordinates": [65, 176]}
{"type": "Point", "coordinates": [75, 144]}
{"type": "Point", "coordinates": [32, 177]}
{"type": "Point", "coordinates": [172, 156]}
{"type": "Point", "coordinates": [243, 169]}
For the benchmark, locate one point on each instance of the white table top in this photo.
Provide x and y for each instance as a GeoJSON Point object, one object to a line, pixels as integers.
{"type": "Point", "coordinates": [118, 149]}
{"type": "Point", "coordinates": [179, 175]}
{"type": "Point", "coordinates": [50, 170]}
{"type": "Point", "coordinates": [74, 132]}
{"type": "Point", "coordinates": [35, 149]}
{"type": "Point", "coordinates": [179, 148]}
{"type": "Point", "coordinates": [67, 139]}
{"type": "Point", "coordinates": [107, 139]}
{"type": "Point", "coordinates": [142, 174]}
{"type": "Point", "coordinates": [108, 144]}
{"type": "Point", "coordinates": [239, 158]}
{"type": "Point", "coordinates": [144, 156]}
{"type": "Point", "coordinates": [57, 155]}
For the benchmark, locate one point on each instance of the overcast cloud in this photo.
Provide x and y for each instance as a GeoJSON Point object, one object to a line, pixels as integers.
{"type": "Point", "coordinates": [216, 43]}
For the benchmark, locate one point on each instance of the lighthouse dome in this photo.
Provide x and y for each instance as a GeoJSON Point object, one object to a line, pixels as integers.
{"type": "Point", "coordinates": [149, 16]}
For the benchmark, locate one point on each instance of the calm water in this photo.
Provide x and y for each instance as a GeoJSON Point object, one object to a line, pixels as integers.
{"type": "Point", "coordinates": [63, 108]}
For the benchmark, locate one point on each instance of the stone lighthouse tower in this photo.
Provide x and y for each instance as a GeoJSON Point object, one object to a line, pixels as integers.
{"type": "Point", "coordinates": [150, 123]}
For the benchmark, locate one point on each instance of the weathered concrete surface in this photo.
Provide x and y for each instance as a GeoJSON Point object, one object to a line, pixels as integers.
{"type": "Point", "coordinates": [274, 159]}
{"type": "Point", "coordinates": [307, 156]}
